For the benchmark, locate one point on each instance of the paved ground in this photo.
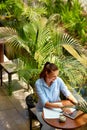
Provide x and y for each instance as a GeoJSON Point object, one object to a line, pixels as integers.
{"type": "Point", "coordinates": [13, 109]}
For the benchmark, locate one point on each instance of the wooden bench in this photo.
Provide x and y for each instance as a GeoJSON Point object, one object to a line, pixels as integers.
{"type": "Point", "coordinates": [10, 68]}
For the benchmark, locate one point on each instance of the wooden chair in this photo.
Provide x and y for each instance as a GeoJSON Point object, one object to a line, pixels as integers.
{"type": "Point", "coordinates": [32, 110]}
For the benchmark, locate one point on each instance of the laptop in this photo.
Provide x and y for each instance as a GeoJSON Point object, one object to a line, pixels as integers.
{"type": "Point", "coordinates": [74, 114]}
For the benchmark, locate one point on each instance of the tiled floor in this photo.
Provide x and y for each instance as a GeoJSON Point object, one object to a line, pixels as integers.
{"type": "Point", "coordinates": [13, 109]}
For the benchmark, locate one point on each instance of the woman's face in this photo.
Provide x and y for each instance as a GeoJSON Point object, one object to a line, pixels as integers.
{"type": "Point", "coordinates": [50, 77]}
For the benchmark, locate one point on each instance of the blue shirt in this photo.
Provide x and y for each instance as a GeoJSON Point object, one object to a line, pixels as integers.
{"type": "Point", "coordinates": [50, 94]}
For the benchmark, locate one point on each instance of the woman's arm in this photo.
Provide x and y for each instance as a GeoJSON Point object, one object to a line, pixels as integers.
{"type": "Point", "coordinates": [72, 99]}
{"type": "Point", "coordinates": [53, 105]}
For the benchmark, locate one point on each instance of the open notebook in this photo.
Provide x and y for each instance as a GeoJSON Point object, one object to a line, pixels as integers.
{"type": "Point", "coordinates": [52, 113]}
{"type": "Point", "coordinates": [74, 114]}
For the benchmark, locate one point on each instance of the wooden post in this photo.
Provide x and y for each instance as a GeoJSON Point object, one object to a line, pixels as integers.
{"type": "Point", "coordinates": [1, 52]}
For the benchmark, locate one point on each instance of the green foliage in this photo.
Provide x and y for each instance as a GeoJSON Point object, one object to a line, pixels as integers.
{"type": "Point", "coordinates": [69, 71]}
{"type": "Point", "coordinates": [46, 45]}
{"type": "Point", "coordinates": [29, 75]}
{"type": "Point", "coordinates": [37, 39]}
{"type": "Point", "coordinates": [76, 22]}
{"type": "Point", "coordinates": [52, 6]}
{"type": "Point", "coordinates": [82, 105]}
{"type": "Point", "coordinates": [10, 89]}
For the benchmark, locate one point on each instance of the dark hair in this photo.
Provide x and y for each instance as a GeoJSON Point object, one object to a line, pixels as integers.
{"type": "Point", "coordinates": [48, 67]}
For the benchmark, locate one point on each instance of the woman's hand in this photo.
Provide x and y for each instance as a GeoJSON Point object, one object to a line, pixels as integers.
{"type": "Point", "coordinates": [67, 110]}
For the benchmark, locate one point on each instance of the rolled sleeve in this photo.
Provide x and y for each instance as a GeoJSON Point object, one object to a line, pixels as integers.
{"type": "Point", "coordinates": [64, 89]}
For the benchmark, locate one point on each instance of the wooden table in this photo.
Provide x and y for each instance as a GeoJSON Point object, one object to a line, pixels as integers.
{"type": "Point", "coordinates": [70, 123]}
{"type": "Point", "coordinates": [10, 68]}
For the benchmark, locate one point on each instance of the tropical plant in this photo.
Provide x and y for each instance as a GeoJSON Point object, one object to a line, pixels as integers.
{"type": "Point", "coordinates": [76, 22]}
{"type": "Point", "coordinates": [71, 17]}
{"type": "Point", "coordinates": [82, 105]}
{"type": "Point", "coordinates": [44, 45]}
{"type": "Point", "coordinates": [36, 41]}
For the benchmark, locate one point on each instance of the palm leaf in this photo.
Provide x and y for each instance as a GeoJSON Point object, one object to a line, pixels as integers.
{"type": "Point", "coordinates": [10, 36]}
{"type": "Point", "coordinates": [72, 51]}
{"type": "Point", "coordinates": [82, 105]}
{"type": "Point", "coordinates": [69, 71]}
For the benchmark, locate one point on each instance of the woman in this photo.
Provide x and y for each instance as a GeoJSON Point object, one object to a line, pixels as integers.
{"type": "Point", "coordinates": [48, 88]}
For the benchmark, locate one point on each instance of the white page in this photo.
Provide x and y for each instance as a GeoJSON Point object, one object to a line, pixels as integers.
{"type": "Point", "coordinates": [50, 113]}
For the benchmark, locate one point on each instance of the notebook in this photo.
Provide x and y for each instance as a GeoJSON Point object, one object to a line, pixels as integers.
{"type": "Point", "coordinates": [74, 114]}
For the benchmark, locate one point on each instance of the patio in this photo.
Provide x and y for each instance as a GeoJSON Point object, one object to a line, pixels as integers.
{"type": "Point", "coordinates": [13, 109]}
